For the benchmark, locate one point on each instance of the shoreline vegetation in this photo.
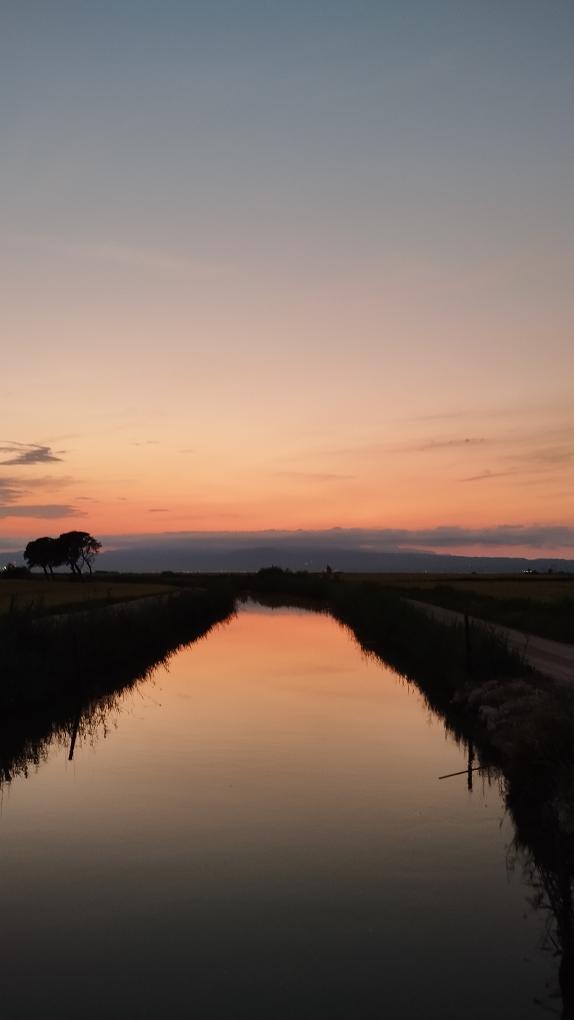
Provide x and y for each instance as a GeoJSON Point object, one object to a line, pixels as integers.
{"type": "Point", "coordinates": [61, 675]}
{"type": "Point", "coordinates": [522, 608]}
{"type": "Point", "coordinates": [51, 650]}
{"type": "Point", "coordinates": [48, 659]}
{"type": "Point", "coordinates": [508, 716]}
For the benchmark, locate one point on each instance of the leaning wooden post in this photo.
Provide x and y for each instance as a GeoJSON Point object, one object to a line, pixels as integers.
{"type": "Point", "coordinates": [74, 733]}
{"type": "Point", "coordinates": [469, 767]}
{"type": "Point", "coordinates": [467, 644]}
{"type": "Point", "coordinates": [76, 723]}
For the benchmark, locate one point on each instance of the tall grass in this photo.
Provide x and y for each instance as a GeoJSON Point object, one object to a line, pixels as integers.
{"type": "Point", "coordinates": [43, 660]}
{"type": "Point", "coordinates": [439, 656]}
{"type": "Point", "coordinates": [549, 619]}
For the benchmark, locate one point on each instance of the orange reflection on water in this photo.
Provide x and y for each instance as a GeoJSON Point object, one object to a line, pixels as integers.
{"type": "Point", "coordinates": [262, 822]}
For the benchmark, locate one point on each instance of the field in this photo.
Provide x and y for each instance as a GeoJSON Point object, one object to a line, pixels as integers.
{"type": "Point", "coordinates": [542, 588]}
{"type": "Point", "coordinates": [534, 604]}
{"type": "Point", "coordinates": [42, 595]}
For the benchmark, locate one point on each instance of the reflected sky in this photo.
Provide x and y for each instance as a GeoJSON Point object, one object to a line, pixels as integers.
{"type": "Point", "coordinates": [262, 833]}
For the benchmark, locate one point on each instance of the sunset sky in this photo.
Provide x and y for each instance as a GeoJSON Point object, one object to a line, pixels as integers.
{"type": "Point", "coordinates": [271, 264]}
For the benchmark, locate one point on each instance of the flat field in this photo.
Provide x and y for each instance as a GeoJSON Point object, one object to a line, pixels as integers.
{"type": "Point", "coordinates": [538, 588]}
{"type": "Point", "coordinates": [43, 595]}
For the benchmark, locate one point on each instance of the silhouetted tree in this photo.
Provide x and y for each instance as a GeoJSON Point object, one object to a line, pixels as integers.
{"type": "Point", "coordinates": [76, 548]}
{"type": "Point", "coordinates": [43, 552]}
{"type": "Point", "coordinates": [89, 551]}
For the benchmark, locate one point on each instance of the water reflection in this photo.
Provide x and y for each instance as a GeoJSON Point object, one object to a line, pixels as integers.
{"type": "Point", "coordinates": [27, 741]}
{"type": "Point", "coordinates": [546, 865]}
{"type": "Point", "coordinates": [263, 833]}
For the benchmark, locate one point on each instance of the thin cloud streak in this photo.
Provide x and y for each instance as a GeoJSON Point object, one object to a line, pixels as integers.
{"type": "Point", "coordinates": [46, 512]}
{"type": "Point", "coordinates": [487, 475]}
{"type": "Point", "coordinates": [446, 444]}
{"type": "Point", "coordinates": [27, 453]}
{"type": "Point", "coordinates": [13, 489]}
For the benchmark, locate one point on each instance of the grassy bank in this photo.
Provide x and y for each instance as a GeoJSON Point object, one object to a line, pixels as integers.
{"type": "Point", "coordinates": [47, 659]}
{"type": "Point", "coordinates": [535, 606]}
{"type": "Point", "coordinates": [549, 619]}
{"type": "Point", "coordinates": [42, 596]}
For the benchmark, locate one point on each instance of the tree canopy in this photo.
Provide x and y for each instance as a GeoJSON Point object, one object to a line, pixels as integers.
{"type": "Point", "coordinates": [77, 548]}
{"type": "Point", "coordinates": [42, 552]}
{"type": "Point", "coordinates": [74, 548]}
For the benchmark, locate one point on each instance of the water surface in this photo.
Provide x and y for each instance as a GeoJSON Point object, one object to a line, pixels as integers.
{"type": "Point", "coordinates": [261, 833]}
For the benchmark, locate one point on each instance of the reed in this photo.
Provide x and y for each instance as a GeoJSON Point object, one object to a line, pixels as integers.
{"type": "Point", "coordinates": [47, 659]}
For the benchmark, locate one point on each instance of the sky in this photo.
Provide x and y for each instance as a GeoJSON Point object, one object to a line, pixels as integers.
{"type": "Point", "coordinates": [304, 265]}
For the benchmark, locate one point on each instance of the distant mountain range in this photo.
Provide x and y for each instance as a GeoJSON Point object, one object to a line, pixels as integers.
{"type": "Point", "coordinates": [177, 557]}
{"type": "Point", "coordinates": [348, 549]}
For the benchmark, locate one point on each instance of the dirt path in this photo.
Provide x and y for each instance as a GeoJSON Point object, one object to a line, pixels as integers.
{"type": "Point", "coordinates": [552, 658]}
